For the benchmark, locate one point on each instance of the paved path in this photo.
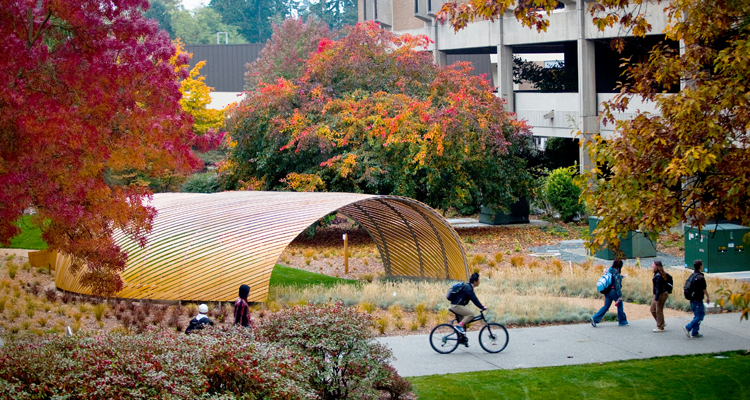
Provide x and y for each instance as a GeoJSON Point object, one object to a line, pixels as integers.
{"type": "Point", "coordinates": [572, 344]}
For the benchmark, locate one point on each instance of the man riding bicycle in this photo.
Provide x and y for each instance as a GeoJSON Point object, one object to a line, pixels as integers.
{"type": "Point", "coordinates": [458, 305]}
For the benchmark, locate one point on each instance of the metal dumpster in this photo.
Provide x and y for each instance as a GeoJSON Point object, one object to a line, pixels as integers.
{"type": "Point", "coordinates": [719, 246]}
{"type": "Point", "coordinates": [635, 244]}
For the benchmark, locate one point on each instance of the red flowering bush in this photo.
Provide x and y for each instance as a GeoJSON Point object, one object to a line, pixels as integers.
{"type": "Point", "coordinates": [304, 353]}
{"type": "Point", "coordinates": [337, 342]}
{"type": "Point", "coordinates": [214, 364]}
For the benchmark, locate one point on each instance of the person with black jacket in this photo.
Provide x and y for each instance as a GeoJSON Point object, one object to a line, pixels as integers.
{"type": "Point", "coordinates": [698, 289]}
{"type": "Point", "coordinates": [241, 308]}
{"type": "Point", "coordinates": [458, 305]}
{"type": "Point", "coordinates": [661, 293]}
{"type": "Point", "coordinates": [200, 321]}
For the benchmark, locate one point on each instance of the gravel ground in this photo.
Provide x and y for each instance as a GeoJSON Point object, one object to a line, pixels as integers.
{"type": "Point", "coordinates": [574, 251]}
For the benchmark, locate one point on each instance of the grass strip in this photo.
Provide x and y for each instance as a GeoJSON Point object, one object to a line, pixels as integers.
{"type": "Point", "coordinates": [30, 237]}
{"type": "Point", "coordinates": [705, 376]}
{"type": "Point", "coordinates": [287, 276]}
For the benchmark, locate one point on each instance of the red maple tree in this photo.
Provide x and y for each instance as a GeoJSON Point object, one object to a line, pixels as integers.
{"type": "Point", "coordinates": [87, 91]}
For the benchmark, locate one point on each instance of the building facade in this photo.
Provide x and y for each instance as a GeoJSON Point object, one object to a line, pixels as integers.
{"type": "Point", "coordinates": [571, 33]}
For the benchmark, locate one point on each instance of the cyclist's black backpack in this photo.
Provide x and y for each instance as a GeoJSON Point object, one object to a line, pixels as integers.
{"type": "Point", "coordinates": [454, 291]}
{"type": "Point", "coordinates": [688, 290]}
{"type": "Point", "coordinates": [670, 284]}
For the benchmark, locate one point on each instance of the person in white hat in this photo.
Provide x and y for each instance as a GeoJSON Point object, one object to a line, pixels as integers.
{"type": "Point", "coordinates": [200, 321]}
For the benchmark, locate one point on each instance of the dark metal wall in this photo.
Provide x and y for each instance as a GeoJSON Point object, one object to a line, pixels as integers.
{"type": "Point", "coordinates": [225, 63]}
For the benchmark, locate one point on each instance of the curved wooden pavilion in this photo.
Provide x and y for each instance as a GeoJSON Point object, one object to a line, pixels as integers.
{"type": "Point", "coordinates": [204, 246]}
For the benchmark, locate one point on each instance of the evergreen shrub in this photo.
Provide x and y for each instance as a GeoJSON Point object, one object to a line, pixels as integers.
{"type": "Point", "coordinates": [563, 194]}
{"type": "Point", "coordinates": [206, 182]}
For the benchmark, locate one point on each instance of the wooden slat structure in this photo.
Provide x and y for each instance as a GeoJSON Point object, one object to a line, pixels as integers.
{"type": "Point", "coordinates": [204, 246]}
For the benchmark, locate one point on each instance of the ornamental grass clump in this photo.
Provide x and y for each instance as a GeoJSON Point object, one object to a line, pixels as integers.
{"type": "Point", "coordinates": [382, 324]}
{"type": "Point", "coordinates": [99, 310]}
{"type": "Point", "coordinates": [12, 268]}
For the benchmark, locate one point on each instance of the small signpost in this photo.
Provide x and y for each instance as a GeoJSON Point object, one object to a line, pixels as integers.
{"type": "Point", "coordinates": [346, 253]}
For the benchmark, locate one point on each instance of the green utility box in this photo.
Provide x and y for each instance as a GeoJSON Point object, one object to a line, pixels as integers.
{"type": "Point", "coordinates": [635, 244]}
{"type": "Point", "coordinates": [719, 246]}
{"type": "Point", "coordinates": [519, 214]}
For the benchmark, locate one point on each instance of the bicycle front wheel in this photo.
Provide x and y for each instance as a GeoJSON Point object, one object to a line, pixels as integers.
{"type": "Point", "coordinates": [444, 338]}
{"type": "Point", "coordinates": [493, 338]}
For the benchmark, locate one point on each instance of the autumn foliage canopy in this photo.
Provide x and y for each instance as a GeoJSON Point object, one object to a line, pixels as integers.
{"type": "Point", "coordinates": [87, 91]}
{"type": "Point", "coordinates": [372, 113]}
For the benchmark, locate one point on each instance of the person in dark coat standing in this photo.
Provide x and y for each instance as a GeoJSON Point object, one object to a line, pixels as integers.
{"type": "Point", "coordinates": [241, 309]}
{"type": "Point", "coordinates": [660, 295]}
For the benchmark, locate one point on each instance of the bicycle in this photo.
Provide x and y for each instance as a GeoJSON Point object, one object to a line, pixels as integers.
{"type": "Point", "coordinates": [445, 338]}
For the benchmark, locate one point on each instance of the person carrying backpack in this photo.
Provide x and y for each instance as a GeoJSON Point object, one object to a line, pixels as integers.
{"type": "Point", "coordinates": [694, 290]}
{"type": "Point", "coordinates": [612, 293]}
{"type": "Point", "coordinates": [459, 302]}
{"type": "Point", "coordinates": [662, 283]}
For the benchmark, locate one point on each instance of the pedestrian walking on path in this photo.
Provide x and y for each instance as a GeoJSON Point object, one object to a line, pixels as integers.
{"type": "Point", "coordinates": [613, 293]}
{"type": "Point", "coordinates": [695, 288]}
{"type": "Point", "coordinates": [662, 287]}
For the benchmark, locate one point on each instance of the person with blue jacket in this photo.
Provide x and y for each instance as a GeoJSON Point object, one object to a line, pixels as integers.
{"type": "Point", "coordinates": [613, 293]}
{"type": "Point", "coordinates": [458, 305]}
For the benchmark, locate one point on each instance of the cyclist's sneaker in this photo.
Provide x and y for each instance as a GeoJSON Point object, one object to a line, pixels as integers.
{"type": "Point", "coordinates": [466, 343]}
{"type": "Point", "coordinates": [460, 329]}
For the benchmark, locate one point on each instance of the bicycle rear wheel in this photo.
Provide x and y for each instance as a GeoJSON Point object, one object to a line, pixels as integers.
{"type": "Point", "coordinates": [493, 338]}
{"type": "Point", "coordinates": [444, 338]}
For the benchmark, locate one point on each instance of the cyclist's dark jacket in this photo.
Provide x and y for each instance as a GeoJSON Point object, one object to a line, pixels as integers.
{"type": "Point", "coordinates": [466, 294]}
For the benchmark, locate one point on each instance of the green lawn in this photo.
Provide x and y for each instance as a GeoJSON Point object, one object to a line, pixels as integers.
{"type": "Point", "coordinates": [286, 276]}
{"type": "Point", "coordinates": [30, 238]}
{"type": "Point", "coordinates": [679, 377]}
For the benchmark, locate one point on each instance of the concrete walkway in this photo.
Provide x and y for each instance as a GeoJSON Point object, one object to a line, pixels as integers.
{"type": "Point", "coordinates": [571, 345]}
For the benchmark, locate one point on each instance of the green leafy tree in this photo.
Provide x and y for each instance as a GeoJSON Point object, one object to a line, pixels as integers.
{"type": "Point", "coordinates": [201, 25]}
{"type": "Point", "coordinates": [161, 11]}
{"type": "Point", "coordinates": [336, 13]}
{"type": "Point", "coordinates": [287, 51]}
{"type": "Point", "coordinates": [373, 114]}
{"type": "Point", "coordinates": [253, 18]}
{"type": "Point", "coordinates": [556, 79]}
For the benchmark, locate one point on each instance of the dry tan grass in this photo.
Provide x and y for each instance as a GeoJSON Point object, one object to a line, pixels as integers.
{"type": "Point", "coordinates": [523, 290]}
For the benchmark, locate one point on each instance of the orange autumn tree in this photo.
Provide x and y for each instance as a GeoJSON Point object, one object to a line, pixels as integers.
{"type": "Point", "coordinates": [87, 92]}
{"type": "Point", "coordinates": [373, 114]}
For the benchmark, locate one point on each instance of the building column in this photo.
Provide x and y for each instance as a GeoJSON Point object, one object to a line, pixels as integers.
{"type": "Point", "coordinates": [588, 120]}
{"type": "Point", "coordinates": [505, 71]}
{"type": "Point", "coordinates": [437, 55]}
